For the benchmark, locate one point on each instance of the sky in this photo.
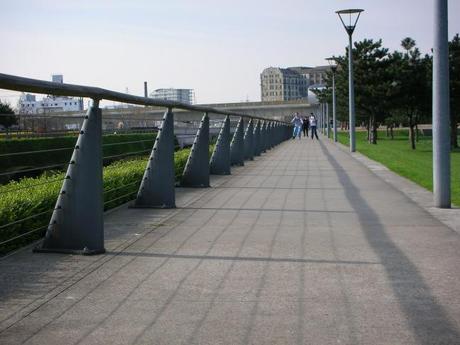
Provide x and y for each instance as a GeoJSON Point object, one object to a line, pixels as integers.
{"type": "Point", "coordinates": [218, 48]}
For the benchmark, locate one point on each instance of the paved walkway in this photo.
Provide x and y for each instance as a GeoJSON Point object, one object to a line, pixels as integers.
{"type": "Point", "coordinates": [305, 245]}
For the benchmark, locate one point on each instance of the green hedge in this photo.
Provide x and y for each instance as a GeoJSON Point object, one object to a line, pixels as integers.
{"type": "Point", "coordinates": [32, 196]}
{"type": "Point", "coordinates": [28, 161]}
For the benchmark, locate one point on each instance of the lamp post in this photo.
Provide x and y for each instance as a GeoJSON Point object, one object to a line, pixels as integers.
{"type": "Point", "coordinates": [331, 62]}
{"type": "Point", "coordinates": [353, 15]}
{"type": "Point", "coordinates": [441, 143]}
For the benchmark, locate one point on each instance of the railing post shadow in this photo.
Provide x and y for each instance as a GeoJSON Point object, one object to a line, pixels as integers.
{"type": "Point", "coordinates": [237, 145]}
{"type": "Point", "coordinates": [157, 186]}
{"type": "Point", "coordinates": [220, 159]}
{"type": "Point", "coordinates": [77, 224]}
{"type": "Point", "coordinates": [196, 171]}
{"type": "Point", "coordinates": [249, 141]}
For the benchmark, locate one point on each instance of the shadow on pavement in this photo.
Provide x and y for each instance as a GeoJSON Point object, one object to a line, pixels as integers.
{"type": "Point", "coordinates": [429, 321]}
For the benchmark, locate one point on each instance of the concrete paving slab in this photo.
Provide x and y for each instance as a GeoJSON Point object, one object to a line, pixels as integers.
{"type": "Point", "coordinates": [303, 245]}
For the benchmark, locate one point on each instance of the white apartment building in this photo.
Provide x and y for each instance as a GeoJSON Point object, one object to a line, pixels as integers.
{"type": "Point", "coordinates": [284, 84]}
{"type": "Point", "coordinates": [28, 104]}
{"type": "Point", "coordinates": [179, 95]}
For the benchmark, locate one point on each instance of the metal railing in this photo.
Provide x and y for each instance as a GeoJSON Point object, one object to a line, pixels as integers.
{"type": "Point", "coordinates": [76, 224]}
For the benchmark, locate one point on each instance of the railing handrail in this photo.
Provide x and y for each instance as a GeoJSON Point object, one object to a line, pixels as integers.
{"type": "Point", "coordinates": [15, 83]}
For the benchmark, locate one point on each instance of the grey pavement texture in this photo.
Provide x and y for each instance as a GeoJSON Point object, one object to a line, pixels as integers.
{"type": "Point", "coordinates": [303, 245]}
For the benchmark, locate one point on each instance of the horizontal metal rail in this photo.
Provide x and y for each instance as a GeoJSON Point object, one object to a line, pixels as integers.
{"type": "Point", "coordinates": [11, 82]}
{"type": "Point", "coordinates": [23, 235]}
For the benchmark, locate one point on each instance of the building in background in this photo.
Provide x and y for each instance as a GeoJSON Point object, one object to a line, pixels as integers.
{"type": "Point", "coordinates": [179, 95]}
{"type": "Point", "coordinates": [28, 104]}
{"type": "Point", "coordinates": [284, 84]}
{"type": "Point", "coordinates": [57, 78]}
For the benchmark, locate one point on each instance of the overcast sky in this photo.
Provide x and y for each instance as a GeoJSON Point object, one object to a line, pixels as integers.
{"type": "Point", "coordinates": [219, 48]}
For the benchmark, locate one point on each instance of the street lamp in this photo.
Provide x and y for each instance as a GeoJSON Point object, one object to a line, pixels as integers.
{"type": "Point", "coordinates": [441, 144]}
{"type": "Point", "coordinates": [331, 62]}
{"type": "Point", "coordinates": [353, 15]}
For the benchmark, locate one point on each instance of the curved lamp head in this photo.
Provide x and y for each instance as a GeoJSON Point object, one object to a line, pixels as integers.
{"type": "Point", "coordinates": [332, 64]}
{"type": "Point", "coordinates": [353, 16]}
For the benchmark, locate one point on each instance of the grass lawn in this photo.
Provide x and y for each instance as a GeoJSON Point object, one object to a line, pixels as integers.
{"type": "Point", "coordinates": [396, 154]}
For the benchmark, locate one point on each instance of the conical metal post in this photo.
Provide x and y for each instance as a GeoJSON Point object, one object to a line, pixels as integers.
{"type": "Point", "coordinates": [157, 186]}
{"type": "Point", "coordinates": [257, 150]}
{"type": "Point", "coordinates": [249, 141]}
{"type": "Point", "coordinates": [263, 137]}
{"type": "Point", "coordinates": [77, 224]}
{"type": "Point", "coordinates": [237, 145]}
{"type": "Point", "coordinates": [196, 171]}
{"type": "Point", "coordinates": [220, 159]}
{"type": "Point", "coordinates": [271, 135]}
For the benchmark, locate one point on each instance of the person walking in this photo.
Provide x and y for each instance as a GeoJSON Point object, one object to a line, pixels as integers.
{"type": "Point", "coordinates": [312, 120]}
{"type": "Point", "coordinates": [297, 122]}
{"type": "Point", "coordinates": [305, 126]}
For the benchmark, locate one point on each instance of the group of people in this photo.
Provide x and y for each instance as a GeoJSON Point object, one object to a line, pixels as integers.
{"type": "Point", "coordinates": [303, 125]}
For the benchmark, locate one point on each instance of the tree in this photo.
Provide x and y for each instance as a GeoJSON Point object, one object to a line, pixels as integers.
{"type": "Point", "coordinates": [408, 43]}
{"type": "Point", "coordinates": [410, 88]}
{"type": "Point", "coordinates": [454, 74]}
{"type": "Point", "coordinates": [372, 85]}
{"type": "Point", "coordinates": [7, 117]}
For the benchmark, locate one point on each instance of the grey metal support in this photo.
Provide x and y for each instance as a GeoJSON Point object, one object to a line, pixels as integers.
{"type": "Point", "coordinates": [237, 145]}
{"type": "Point", "coordinates": [249, 141]}
{"type": "Point", "coordinates": [334, 100]}
{"type": "Point", "coordinates": [263, 137]}
{"type": "Point", "coordinates": [321, 119]}
{"type": "Point", "coordinates": [351, 96]}
{"type": "Point", "coordinates": [441, 116]}
{"type": "Point", "coordinates": [324, 119]}
{"type": "Point", "coordinates": [328, 126]}
{"type": "Point", "coordinates": [157, 186]}
{"type": "Point", "coordinates": [76, 224]}
{"type": "Point", "coordinates": [274, 134]}
{"type": "Point", "coordinates": [257, 150]}
{"type": "Point", "coordinates": [196, 171]}
{"type": "Point", "coordinates": [220, 160]}
{"type": "Point", "coordinates": [267, 136]}
{"type": "Point", "coordinates": [279, 133]}
{"type": "Point", "coordinates": [269, 140]}
{"type": "Point", "coordinates": [271, 136]}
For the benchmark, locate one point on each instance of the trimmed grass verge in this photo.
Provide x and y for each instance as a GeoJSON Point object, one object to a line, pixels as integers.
{"type": "Point", "coordinates": [396, 154]}
{"type": "Point", "coordinates": [57, 150]}
{"type": "Point", "coordinates": [30, 201]}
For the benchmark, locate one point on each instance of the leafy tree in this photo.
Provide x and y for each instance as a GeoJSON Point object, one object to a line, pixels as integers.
{"type": "Point", "coordinates": [408, 44]}
{"type": "Point", "coordinates": [372, 80]}
{"type": "Point", "coordinates": [454, 63]}
{"type": "Point", "coordinates": [7, 117]}
{"type": "Point", "coordinates": [410, 91]}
